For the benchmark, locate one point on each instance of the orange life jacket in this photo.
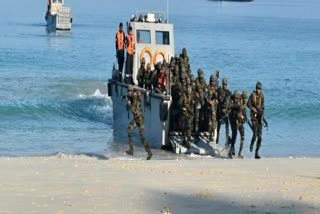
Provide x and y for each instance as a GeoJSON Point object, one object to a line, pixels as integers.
{"type": "Point", "coordinates": [120, 40]}
{"type": "Point", "coordinates": [162, 81]}
{"type": "Point", "coordinates": [130, 44]}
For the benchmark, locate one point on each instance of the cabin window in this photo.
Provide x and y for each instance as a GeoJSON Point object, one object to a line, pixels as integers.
{"type": "Point", "coordinates": [162, 38]}
{"type": "Point", "coordinates": [143, 37]}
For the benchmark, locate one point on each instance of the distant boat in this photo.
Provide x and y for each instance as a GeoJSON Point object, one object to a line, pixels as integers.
{"type": "Point", "coordinates": [234, 0]}
{"type": "Point", "coordinates": [57, 16]}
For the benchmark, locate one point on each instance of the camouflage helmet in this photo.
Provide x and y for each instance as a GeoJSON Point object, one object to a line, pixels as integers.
{"type": "Point", "coordinates": [224, 81]}
{"type": "Point", "coordinates": [212, 78]}
{"type": "Point", "coordinates": [158, 66]}
{"type": "Point", "coordinates": [184, 51]}
{"type": "Point", "coordinates": [191, 77]}
{"type": "Point", "coordinates": [259, 85]}
{"type": "Point", "coordinates": [244, 94]}
{"type": "Point", "coordinates": [200, 71]}
{"type": "Point", "coordinates": [172, 62]}
{"type": "Point", "coordinates": [130, 88]}
{"type": "Point", "coordinates": [143, 60]}
{"type": "Point", "coordinates": [236, 94]}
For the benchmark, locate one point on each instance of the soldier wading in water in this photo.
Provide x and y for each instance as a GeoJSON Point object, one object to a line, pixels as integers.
{"type": "Point", "coordinates": [134, 104]}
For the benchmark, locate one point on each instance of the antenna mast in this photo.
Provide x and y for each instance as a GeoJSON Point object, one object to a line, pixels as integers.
{"type": "Point", "coordinates": [167, 10]}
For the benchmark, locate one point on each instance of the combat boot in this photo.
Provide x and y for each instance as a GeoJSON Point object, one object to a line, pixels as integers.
{"type": "Point", "coordinates": [130, 150]}
{"type": "Point", "coordinates": [251, 146]}
{"type": "Point", "coordinates": [210, 138]}
{"type": "Point", "coordinates": [186, 143]}
{"type": "Point", "coordinates": [197, 138]}
{"type": "Point", "coordinates": [217, 140]}
{"type": "Point", "coordinates": [240, 150]}
{"type": "Point", "coordinates": [147, 148]}
{"type": "Point", "coordinates": [231, 151]}
{"type": "Point", "coordinates": [257, 156]}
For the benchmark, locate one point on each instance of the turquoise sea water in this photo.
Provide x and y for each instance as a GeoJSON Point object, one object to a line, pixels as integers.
{"type": "Point", "coordinates": [53, 86]}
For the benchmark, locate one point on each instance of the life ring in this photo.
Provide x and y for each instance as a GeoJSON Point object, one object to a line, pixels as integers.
{"type": "Point", "coordinates": [148, 51]}
{"type": "Point", "coordinates": [159, 51]}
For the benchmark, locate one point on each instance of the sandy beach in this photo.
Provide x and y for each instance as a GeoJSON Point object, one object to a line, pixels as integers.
{"type": "Point", "coordinates": [88, 185]}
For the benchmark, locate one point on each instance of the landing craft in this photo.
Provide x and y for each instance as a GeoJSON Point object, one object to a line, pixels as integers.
{"type": "Point", "coordinates": [57, 16]}
{"type": "Point", "coordinates": [154, 41]}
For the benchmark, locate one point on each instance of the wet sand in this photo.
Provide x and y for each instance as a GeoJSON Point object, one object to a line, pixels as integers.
{"type": "Point", "coordinates": [88, 185]}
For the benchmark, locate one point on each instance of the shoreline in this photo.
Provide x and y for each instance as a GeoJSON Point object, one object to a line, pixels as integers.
{"type": "Point", "coordinates": [89, 185]}
{"type": "Point", "coordinates": [140, 156]}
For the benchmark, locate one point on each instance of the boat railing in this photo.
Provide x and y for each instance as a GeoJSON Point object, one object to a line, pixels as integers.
{"type": "Point", "coordinates": [149, 17]}
{"type": "Point", "coordinates": [144, 91]}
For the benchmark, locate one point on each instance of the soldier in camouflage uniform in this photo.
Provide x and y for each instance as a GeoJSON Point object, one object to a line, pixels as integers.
{"type": "Point", "coordinates": [256, 106]}
{"type": "Point", "coordinates": [155, 74]}
{"type": "Point", "coordinates": [235, 106]}
{"type": "Point", "coordinates": [193, 82]}
{"type": "Point", "coordinates": [183, 83]}
{"type": "Point", "coordinates": [148, 78]}
{"type": "Point", "coordinates": [134, 104]}
{"type": "Point", "coordinates": [201, 88]}
{"type": "Point", "coordinates": [212, 103]}
{"type": "Point", "coordinates": [183, 73]}
{"type": "Point", "coordinates": [242, 119]}
{"type": "Point", "coordinates": [141, 73]}
{"type": "Point", "coordinates": [223, 108]}
{"type": "Point", "coordinates": [187, 116]}
{"type": "Point", "coordinates": [177, 73]}
{"type": "Point", "coordinates": [213, 87]}
{"type": "Point", "coordinates": [184, 59]}
{"type": "Point", "coordinates": [172, 71]}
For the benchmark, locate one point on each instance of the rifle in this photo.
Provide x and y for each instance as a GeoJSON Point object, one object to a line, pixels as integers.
{"type": "Point", "coordinates": [226, 101]}
{"type": "Point", "coordinates": [248, 122]}
{"type": "Point", "coordinates": [225, 116]}
{"type": "Point", "coordinates": [217, 74]}
{"type": "Point", "coordinates": [129, 101]}
{"type": "Point", "coordinates": [265, 123]}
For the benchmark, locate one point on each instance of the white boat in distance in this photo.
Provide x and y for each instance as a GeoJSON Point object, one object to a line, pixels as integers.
{"type": "Point", "coordinates": [57, 16]}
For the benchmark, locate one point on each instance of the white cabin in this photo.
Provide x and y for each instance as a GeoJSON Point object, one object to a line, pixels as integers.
{"type": "Point", "coordinates": [154, 40]}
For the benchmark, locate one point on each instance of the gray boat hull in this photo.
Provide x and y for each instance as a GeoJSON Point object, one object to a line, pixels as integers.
{"type": "Point", "coordinates": [156, 124]}
{"type": "Point", "coordinates": [62, 20]}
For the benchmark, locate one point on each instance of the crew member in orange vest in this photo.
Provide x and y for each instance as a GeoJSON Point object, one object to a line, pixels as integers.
{"type": "Point", "coordinates": [130, 52]}
{"type": "Point", "coordinates": [162, 80]}
{"type": "Point", "coordinates": [120, 42]}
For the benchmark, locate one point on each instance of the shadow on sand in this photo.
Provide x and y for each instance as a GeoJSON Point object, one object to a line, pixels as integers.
{"type": "Point", "coordinates": [209, 202]}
